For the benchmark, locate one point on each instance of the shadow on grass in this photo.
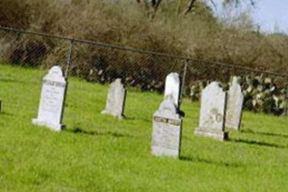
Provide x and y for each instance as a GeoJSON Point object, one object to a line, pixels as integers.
{"type": "Point", "coordinates": [128, 118]}
{"type": "Point", "coordinates": [97, 133]}
{"type": "Point", "coordinates": [137, 118]}
{"type": "Point", "coordinates": [4, 113]}
{"type": "Point", "coordinates": [259, 143]}
{"type": "Point", "coordinates": [264, 133]}
{"type": "Point", "coordinates": [199, 160]}
{"type": "Point", "coordinates": [5, 80]}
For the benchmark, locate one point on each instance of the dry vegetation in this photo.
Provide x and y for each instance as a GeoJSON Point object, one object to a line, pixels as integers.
{"type": "Point", "coordinates": [197, 34]}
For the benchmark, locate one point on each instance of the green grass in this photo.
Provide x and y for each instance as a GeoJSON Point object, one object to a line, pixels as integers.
{"type": "Point", "coordinates": [100, 153]}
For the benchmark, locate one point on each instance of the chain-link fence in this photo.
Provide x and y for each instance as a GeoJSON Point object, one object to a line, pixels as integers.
{"type": "Point", "coordinates": [145, 70]}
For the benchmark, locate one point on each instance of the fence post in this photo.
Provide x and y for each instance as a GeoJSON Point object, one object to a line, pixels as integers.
{"type": "Point", "coordinates": [286, 100]}
{"type": "Point", "coordinates": [69, 58]}
{"type": "Point", "coordinates": [183, 83]}
{"type": "Point", "coordinates": [69, 61]}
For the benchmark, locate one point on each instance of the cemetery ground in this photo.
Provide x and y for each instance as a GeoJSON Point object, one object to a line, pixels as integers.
{"type": "Point", "coordinates": [101, 153]}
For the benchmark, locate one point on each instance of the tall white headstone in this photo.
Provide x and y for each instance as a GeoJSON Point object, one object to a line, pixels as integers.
{"type": "Point", "coordinates": [234, 105]}
{"type": "Point", "coordinates": [212, 112]}
{"type": "Point", "coordinates": [172, 87]}
{"type": "Point", "coordinates": [167, 127]}
{"type": "Point", "coordinates": [52, 98]}
{"type": "Point", "coordinates": [115, 103]}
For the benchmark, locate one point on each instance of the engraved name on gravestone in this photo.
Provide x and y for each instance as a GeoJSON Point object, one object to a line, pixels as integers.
{"type": "Point", "coordinates": [234, 105]}
{"type": "Point", "coordinates": [167, 127]}
{"type": "Point", "coordinates": [51, 105]}
{"type": "Point", "coordinates": [115, 103]}
{"type": "Point", "coordinates": [172, 87]}
{"type": "Point", "coordinates": [212, 112]}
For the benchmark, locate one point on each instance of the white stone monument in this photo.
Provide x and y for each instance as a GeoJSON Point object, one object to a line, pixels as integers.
{"type": "Point", "coordinates": [167, 127]}
{"type": "Point", "coordinates": [115, 103]}
{"type": "Point", "coordinates": [212, 112]}
{"type": "Point", "coordinates": [172, 87]}
{"type": "Point", "coordinates": [52, 98]}
{"type": "Point", "coordinates": [235, 99]}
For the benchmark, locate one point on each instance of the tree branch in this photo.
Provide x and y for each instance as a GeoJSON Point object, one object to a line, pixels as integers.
{"type": "Point", "coordinates": [190, 6]}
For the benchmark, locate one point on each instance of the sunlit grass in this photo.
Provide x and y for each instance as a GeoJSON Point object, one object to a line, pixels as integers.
{"type": "Point", "coordinates": [100, 153]}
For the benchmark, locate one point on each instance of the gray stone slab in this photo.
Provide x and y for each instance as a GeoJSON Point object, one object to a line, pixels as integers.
{"type": "Point", "coordinates": [167, 128]}
{"type": "Point", "coordinates": [116, 98]}
{"type": "Point", "coordinates": [172, 87]}
{"type": "Point", "coordinates": [234, 105]}
{"type": "Point", "coordinates": [212, 112]}
{"type": "Point", "coordinates": [52, 98]}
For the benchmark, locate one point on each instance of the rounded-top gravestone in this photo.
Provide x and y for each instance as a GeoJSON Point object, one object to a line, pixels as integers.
{"type": "Point", "coordinates": [212, 112]}
{"type": "Point", "coordinates": [172, 87]}
{"type": "Point", "coordinates": [115, 103]}
{"type": "Point", "coordinates": [234, 105]}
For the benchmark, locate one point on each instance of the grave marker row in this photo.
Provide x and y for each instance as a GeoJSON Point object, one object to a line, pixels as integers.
{"type": "Point", "coordinates": [51, 107]}
{"type": "Point", "coordinates": [167, 122]}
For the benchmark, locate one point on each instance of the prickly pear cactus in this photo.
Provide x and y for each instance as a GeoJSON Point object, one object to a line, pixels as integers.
{"type": "Point", "coordinates": [261, 94]}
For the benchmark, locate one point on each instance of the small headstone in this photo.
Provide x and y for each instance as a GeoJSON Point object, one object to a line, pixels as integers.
{"type": "Point", "coordinates": [212, 112]}
{"type": "Point", "coordinates": [172, 87]}
{"type": "Point", "coordinates": [167, 127]}
{"type": "Point", "coordinates": [235, 99]}
{"type": "Point", "coordinates": [115, 103]}
{"type": "Point", "coordinates": [52, 98]}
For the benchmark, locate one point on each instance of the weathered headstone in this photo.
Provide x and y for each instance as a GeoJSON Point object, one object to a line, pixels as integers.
{"type": "Point", "coordinates": [115, 103]}
{"type": "Point", "coordinates": [234, 105]}
{"type": "Point", "coordinates": [212, 112]}
{"type": "Point", "coordinates": [51, 105]}
{"type": "Point", "coordinates": [167, 127]}
{"type": "Point", "coordinates": [172, 87]}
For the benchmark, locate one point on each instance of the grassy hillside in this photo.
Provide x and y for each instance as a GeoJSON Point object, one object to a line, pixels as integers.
{"type": "Point", "coordinates": [100, 153]}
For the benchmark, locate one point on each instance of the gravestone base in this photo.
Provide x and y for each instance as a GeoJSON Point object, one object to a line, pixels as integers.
{"type": "Point", "coordinates": [162, 151]}
{"type": "Point", "coordinates": [206, 132]}
{"type": "Point", "coordinates": [232, 127]}
{"type": "Point", "coordinates": [54, 127]}
{"type": "Point", "coordinates": [105, 112]}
